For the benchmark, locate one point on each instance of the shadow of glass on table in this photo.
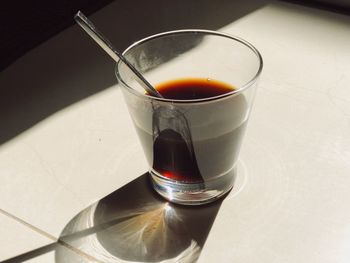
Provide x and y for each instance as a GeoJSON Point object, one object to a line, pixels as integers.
{"type": "Point", "coordinates": [135, 224]}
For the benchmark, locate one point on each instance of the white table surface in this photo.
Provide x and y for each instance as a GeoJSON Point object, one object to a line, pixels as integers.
{"type": "Point", "coordinates": [291, 201]}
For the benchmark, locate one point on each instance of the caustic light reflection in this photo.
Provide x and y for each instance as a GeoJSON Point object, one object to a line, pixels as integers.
{"type": "Point", "coordinates": [156, 232]}
{"type": "Point", "coordinates": [152, 235]}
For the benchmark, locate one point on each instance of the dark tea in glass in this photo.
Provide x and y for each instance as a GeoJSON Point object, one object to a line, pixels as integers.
{"type": "Point", "coordinates": [191, 136]}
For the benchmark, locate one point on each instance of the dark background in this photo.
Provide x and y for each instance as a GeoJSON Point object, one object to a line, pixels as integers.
{"type": "Point", "coordinates": [26, 24]}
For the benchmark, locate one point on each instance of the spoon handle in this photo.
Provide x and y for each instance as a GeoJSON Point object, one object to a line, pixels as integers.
{"type": "Point", "coordinates": [107, 46]}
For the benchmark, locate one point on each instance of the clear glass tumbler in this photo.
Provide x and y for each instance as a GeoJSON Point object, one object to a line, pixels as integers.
{"type": "Point", "coordinates": [192, 145]}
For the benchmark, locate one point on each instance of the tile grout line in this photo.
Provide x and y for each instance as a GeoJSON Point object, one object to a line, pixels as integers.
{"type": "Point", "coordinates": [34, 228]}
{"type": "Point", "coordinates": [49, 236]}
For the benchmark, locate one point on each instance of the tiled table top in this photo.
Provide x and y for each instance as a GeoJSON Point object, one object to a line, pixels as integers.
{"type": "Point", "coordinates": [18, 238]}
{"type": "Point", "coordinates": [291, 200]}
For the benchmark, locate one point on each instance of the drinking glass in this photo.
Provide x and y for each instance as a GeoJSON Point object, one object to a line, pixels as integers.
{"type": "Point", "coordinates": [191, 146]}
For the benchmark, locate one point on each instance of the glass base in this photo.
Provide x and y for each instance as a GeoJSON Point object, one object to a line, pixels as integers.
{"type": "Point", "coordinates": [193, 193]}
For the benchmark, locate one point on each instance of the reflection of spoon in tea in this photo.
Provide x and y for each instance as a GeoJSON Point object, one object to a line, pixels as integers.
{"type": "Point", "coordinates": [107, 46]}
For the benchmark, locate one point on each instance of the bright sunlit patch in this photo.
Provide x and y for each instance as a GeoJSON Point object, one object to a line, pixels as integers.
{"type": "Point", "coordinates": [169, 193]}
{"type": "Point", "coordinates": [167, 207]}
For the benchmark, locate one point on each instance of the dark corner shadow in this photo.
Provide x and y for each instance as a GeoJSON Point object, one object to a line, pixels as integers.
{"type": "Point", "coordinates": [336, 6]}
{"type": "Point", "coordinates": [70, 67]}
{"type": "Point", "coordinates": [135, 224]}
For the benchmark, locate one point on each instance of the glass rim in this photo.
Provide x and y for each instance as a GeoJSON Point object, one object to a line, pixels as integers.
{"type": "Point", "coordinates": [187, 31]}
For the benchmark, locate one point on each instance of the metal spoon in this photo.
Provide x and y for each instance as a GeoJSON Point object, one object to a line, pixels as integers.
{"type": "Point", "coordinates": [100, 39]}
